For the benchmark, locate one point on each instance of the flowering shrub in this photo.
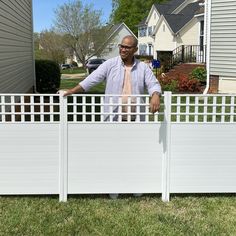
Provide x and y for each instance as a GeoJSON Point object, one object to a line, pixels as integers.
{"type": "Point", "coordinates": [186, 84]}
{"type": "Point", "coordinates": [181, 83]}
{"type": "Point", "coordinates": [168, 84]}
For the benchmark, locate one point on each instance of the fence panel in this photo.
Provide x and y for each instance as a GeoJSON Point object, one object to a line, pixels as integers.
{"type": "Point", "coordinates": [203, 133]}
{"type": "Point", "coordinates": [111, 150]}
{"type": "Point", "coordinates": [29, 137]}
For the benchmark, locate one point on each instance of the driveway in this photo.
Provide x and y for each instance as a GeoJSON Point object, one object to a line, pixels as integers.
{"type": "Point", "coordinates": [73, 76]}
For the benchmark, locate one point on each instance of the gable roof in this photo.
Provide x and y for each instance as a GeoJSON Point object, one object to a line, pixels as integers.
{"type": "Point", "coordinates": [115, 28]}
{"type": "Point", "coordinates": [178, 21]}
{"type": "Point", "coordinates": [164, 8]}
{"type": "Point", "coordinates": [169, 7]}
{"type": "Point", "coordinates": [112, 31]}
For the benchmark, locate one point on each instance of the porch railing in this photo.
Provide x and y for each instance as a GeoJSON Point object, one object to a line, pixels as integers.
{"type": "Point", "coordinates": [187, 54]}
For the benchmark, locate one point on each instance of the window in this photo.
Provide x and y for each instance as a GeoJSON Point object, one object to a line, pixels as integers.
{"type": "Point", "coordinates": [149, 49]}
{"type": "Point", "coordinates": [155, 15]}
{"type": "Point", "coordinates": [142, 49]}
{"type": "Point", "coordinates": [201, 35]}
{"type": "Point", "coordinates": [164, 28]}
{"type": "Point", "coordinates": [149, 30]}
{"type": "Point", "coordinates": [142, 31]}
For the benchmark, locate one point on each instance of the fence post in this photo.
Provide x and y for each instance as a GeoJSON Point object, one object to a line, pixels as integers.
{"type": "Point", "coordinates": [63, 161]}
{"type": "Point", "coordinates": [167, 152]}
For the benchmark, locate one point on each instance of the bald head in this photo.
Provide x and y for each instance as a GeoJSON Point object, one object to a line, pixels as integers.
{"type": "Point", "coordinates": [132, 39]}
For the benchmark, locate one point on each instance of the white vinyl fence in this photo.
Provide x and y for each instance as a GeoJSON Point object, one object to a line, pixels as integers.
{"type": "Point", "coordinates": [88, 144]}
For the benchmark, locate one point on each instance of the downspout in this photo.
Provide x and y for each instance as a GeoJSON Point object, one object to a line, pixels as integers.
{"type": "Point", "coordinates": [208, 11]}
{"type": "Point", "coordinates": [33, 56]}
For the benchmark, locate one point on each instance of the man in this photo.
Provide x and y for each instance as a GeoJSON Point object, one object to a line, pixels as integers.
{"type": "Point", "coordinates": [124, 75]}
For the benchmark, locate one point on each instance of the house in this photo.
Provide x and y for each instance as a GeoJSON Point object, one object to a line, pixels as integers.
{"type": "Point", "coordinates": [171, 25]}
{"type": "Point", "coordinates": [109, 48]}
{"type": "Point", "coordinates": [114, 36]}
{"type": "Point", "coordinates": [16, 47]}
{"type": "Point", "coordinates": [221, 40]}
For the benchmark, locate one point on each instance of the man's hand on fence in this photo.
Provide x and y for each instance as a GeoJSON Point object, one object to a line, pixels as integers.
{"type": "Point", "coordinates": [76, 89]}
{"type": "Point", "coordinates": [64, 92]}
{"type": "Point", "coordinates": [155, 102]}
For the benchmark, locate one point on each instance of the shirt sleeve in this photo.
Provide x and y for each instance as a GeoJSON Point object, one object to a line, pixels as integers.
{"type": "Point", "coordinates": [95, 77]}
{"type": "Point", "coordinates": [151, 82]}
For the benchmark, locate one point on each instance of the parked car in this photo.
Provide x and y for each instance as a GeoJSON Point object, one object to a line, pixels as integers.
{"type": "Point", "coordinates": [93, 64]}
{"type": "Point", "coordinates": [66, 66]}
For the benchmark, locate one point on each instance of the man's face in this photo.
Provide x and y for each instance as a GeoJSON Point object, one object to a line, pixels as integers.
{"type": "Point", "coordinates": [127, 49]}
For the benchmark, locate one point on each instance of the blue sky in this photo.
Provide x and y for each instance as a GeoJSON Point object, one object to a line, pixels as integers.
{"type": "Point", "coordinates": [43, 11]}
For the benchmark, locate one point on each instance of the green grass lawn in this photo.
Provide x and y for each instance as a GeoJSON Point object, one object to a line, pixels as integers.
{"type": "Point", "coordinates": [99, 215]}
{"type": "Point", "coordinates": [70, 83]}
{"type": "Point", "coordinates": [77, 70]}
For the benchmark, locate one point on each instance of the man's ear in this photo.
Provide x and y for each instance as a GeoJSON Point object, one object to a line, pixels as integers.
{"type": "Point", "coordinates": [136, 49]}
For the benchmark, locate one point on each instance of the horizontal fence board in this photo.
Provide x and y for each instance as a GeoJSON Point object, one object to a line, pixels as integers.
{"type": "Point", "coordinates": [29, 161]}
{"type": "Point", "coordinates": [109, 158]}
{"type": "Point", "coordinates": [203, 158]}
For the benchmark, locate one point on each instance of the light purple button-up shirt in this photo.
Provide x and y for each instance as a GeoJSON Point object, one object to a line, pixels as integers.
{"type": "Point", "coordinates": [112, 72]}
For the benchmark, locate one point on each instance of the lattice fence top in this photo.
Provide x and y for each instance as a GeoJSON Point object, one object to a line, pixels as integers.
{"type": "Point", "coordinates": [111, 108]}
{"type": "Point", "coordinates": [96, 108]}
{"type": "Point", "coordinates": [203, 108]}
{"type": "Point", "coordinates": [29, 108]}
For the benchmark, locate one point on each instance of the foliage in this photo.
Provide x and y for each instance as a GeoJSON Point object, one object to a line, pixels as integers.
{"type": "Point", "coordinates": [82, 27]}
{"type": "Point", "coordinates": [200, 74]}
{"type": "Point", "coordinates": [186, 84]}
{"type": "Point", "coordinates": [48, 76]}
{"type": "Point", "coordinates": [50, 46]}
{"type": "Point", "coordinates": [179, 84]}
{"type": "Point", "coordinates": [168, 84]}
{"type": "Point", "coordinates": [144, 57]}
{"type": "Point", "coordinates": [131, 12]}
{"type": "Point", "coordinates": [74, 63]}
{"type": "Point", "coordinates": [165, 57]}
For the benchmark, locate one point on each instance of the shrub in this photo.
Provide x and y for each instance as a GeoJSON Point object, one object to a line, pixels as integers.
{"type": "Point", "coordinates": [186, 84]}
{"type": "Point", "coordinates": [200, 74]}
{"type": "Point", "coordinates": [48, 76]}
{"type": "Point", "coordinates": [168, 84]}
{"type": "Point", "coordinates": [144, 57]}
{"type": "Point", "coordinates": [74, 63]}
{"type": "Point", "coordinates": [181, 83]}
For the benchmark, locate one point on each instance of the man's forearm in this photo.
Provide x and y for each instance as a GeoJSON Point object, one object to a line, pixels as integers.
{"type": "Point", "coordinates": [76, 89]}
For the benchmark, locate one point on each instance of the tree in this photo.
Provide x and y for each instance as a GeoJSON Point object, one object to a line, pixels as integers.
{"type": "Point", "coordinates": [131, 12]}
{"type": "Point", "coordinates": [80, 24]}
{"type": "Point", "coordinates": [50, 46]}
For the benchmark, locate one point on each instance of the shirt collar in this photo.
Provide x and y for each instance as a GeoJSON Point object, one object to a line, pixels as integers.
{"type": "Point", "coordinates": [135, 62]}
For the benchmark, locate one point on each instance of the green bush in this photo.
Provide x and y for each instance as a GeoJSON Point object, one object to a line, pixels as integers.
{"type": "Point", "coordinates": [200, 74]}
{"type": "Point", "coordinates": [74, 63]}
{"type": "Point", "coordinates": [48, 76]}
{"type": "Point", "coordinates": [144, 57]}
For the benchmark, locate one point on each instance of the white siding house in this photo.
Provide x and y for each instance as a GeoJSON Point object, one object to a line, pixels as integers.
{"type": "Point", "coordinates": [222, 38]}
{"type": "Point", "coordinates": [145, 34]}
{"type": "Point", "coordinates": [16, 46]}
{"type": "Point", "coordinates": [174, 23]}
{"type": "Point", "coordinates": [115, 35]}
